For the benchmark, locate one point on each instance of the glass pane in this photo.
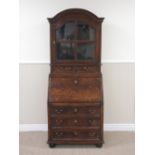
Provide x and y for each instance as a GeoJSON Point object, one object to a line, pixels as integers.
{"type": "Point", "coordinates": [65, 51]}
{"type": "Point", "coordinates": [85, 32]}
{"type": "Point", "coordinates": [86, 51]}
{"type": "Point", "coordinates": [66, 32]}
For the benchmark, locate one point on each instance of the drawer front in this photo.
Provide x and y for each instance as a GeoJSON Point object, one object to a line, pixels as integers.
{"type": "Point", "coordinates": [76, 134]}
{"type": "Point", "coordinates": [61, 69]}
{"type": "Point", "coordinates": [74, 110]}
{"type": "Point", "coordinates": [75, 89]}
{"type": "Point", "coordinates": [75, 122]}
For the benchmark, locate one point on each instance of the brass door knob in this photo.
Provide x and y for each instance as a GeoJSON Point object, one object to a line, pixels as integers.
{"type": "Point", "coordinates": [76, 82]}
{"type": "Point", "coordinates": [75, 110]}
{"type": "Point", "coordinates": [53, 42]}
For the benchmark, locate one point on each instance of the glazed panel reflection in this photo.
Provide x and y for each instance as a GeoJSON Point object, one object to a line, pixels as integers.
{"type": "Point", "coordinates": [86, 51]}
{"type": "Point", "coordinates": [65, 51]}
{"type": "Point", "coordinates": [66, 32]}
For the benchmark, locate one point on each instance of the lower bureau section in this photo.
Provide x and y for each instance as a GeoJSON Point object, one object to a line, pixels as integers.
{"type": "Point", "coordinates": [75, 123]}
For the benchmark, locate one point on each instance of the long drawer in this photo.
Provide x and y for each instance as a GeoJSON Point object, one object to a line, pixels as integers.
{"type": "Point", "coordinates": [74, 109]}
{"type": "Point", "coordinates": [75, 134]}
{"type": "Point", "coordinates": [75, 89]}
{"type": "Point", "coordinates": [74, 121]}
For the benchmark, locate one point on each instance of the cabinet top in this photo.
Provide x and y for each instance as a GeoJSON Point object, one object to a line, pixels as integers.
{"type": "Point", "coordinates": [75, 12]}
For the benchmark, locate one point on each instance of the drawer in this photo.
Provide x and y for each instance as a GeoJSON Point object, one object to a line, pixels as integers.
{"type": "Point", "coordinates": [75, 121]}
{"type": "Point", "coordinates": [75, 89]}
{"type": "Point", "coordinates": [76, 134]}
{"type": "Point", "coordinates": [61, 69]}
{"type": "Point", "coordinates": [75, 110]}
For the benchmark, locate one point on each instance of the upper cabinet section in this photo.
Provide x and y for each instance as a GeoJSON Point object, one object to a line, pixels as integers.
{"type": "Point", "coordinates": [75, 41]}
{"type": "Point", "coordinates": [75, 37]}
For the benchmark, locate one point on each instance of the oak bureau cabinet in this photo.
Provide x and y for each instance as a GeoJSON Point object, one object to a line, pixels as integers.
{"type": "Point", "coordinates": [75, 93]}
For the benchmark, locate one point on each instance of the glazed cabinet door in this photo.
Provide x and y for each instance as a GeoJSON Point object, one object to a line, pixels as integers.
{"type": "Point", "coordinates": [75, 41]}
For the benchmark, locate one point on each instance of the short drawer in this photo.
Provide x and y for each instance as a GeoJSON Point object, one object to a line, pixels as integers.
{"type": "Point", "coordinates": [76, 134]}
{"type": "Point", "coordinates": [75, 110]}
{"type": "Point", "coordinates": [75, 121]}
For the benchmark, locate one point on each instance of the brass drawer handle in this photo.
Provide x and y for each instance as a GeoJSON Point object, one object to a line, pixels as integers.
{"type": "Point", "coordinates": [85, 68]}
{"type": "Point", "coordinates": [92, 134]}
{"type": "Point", "coordinates": [58, 111]}
{"type": "Point", "coordinates": [92, 111]}
{"type": "Point", "coordinates": [92, 121]}
{"type": "Point", "coordinates": [75, 133]}
{"type": "Point", "coordinates": [61, 110]}
{"type": "Point", "coordinates": [58, 134]}
{"type": "Point", "coordinates": [75, 110]}
{"type": "Point", "coordinates": [59, 121]}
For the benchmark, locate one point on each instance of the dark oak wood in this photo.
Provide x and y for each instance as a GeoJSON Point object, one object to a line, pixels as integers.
{"type": "Point", "coordinates": [75, 92]}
